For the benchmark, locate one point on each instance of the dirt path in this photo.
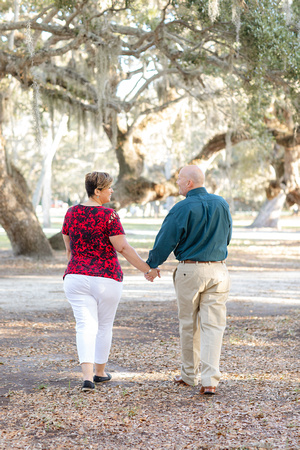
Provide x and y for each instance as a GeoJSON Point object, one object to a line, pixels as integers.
{"type": "Point", "coordinates": [257, 405]}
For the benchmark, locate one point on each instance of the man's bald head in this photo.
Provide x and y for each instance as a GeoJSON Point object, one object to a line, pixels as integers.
{"type": "Point", "coordinates": [190, 177]}
{"type": "Point", "coordinates": [195, 174]}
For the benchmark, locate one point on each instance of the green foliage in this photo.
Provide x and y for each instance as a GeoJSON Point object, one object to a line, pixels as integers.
{"type": "Point", "coordinates": [5, 6]}
{"type": "Point", "coordinates": [270, 43]}
{"type": "Point", "coordinates": [240, 68]}
{"type": "Point", "coordinates": [65, 5]}
{"type": "Point", "coordinates": [142, 13]}
{"type": "Point", "coordinates": [202, 7]}
{"type": "Point", "coordinates": [257, 55]}
{"type": "Point", "coordinates": [266, 42]}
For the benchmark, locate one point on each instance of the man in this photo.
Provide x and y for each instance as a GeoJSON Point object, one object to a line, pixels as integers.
{"type": "Point", "coordinates": [198, 229]}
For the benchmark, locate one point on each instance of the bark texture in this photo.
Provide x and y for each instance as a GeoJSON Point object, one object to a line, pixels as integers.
{"type": "Point", "coordinates": [269, 215]}
{"type": "Point", "coordinates": [291, 174]}
{"type": "Point", "coordinates": [132, 186]}
{"type": "Point", "coordinates": [17, 215]}
{"type": "Point", "coordinates": [286, 188]}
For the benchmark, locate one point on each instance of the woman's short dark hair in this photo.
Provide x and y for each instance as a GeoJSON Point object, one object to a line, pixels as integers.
{"type": "Point", "coordinates": [97, 180]}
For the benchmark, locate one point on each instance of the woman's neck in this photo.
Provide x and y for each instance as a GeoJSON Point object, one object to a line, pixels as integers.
{"type": "Point", "coordinates": [92, 202]}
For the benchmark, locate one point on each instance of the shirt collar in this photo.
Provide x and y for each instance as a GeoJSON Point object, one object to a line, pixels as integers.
{"type": "Point", "coordinates": [196, 191]}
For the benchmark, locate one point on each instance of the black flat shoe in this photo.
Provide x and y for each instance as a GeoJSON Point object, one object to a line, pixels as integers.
{"type": "Point", "coordinates": [88, 386]}
{"type": "Point", "coordinates": [102, 379]}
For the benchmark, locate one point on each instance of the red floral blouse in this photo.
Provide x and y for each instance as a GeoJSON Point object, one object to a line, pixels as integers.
{"type": "Point", "coordinates": [89, 229]}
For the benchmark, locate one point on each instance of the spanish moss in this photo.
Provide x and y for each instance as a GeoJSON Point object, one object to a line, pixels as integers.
{"type": "Point", "coordinates": [36, 92]}
{"type": "Point", "coordinates": [236, 18]}
{"type": "Point", "coordinates": [213, 9]}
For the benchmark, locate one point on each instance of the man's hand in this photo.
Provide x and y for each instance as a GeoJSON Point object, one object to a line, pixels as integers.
{"type": "Point", "coordinates": [151, 274]}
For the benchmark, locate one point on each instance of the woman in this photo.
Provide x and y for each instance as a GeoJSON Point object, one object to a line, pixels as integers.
{"type": "Point", "coordinates": [93, 234]}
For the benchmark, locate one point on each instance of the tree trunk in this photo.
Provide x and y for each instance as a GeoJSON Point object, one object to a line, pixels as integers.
{"type": "Point", "coordinates": [131, 186]}
{"type": "Point", "coordinates": [17, 215]}
{"type": "Point", "coordinates": [269, 215]}
{"type": "Point", "coordinates": [292, 176]}
{"type": "Point", "coordinates": [45, 176]}
{"type": "Point", "coordinates": [46, 198]}
{"type": "Point", "coordinates": [286, 189]}
{"type": "Point", "coordinates": [287, 185]}
{"type": "Point", "coordinates": [140, 190]}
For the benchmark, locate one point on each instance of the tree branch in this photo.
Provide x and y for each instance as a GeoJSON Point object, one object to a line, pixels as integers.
{"type": "Point", "coordinates": [44, 10]}
{"type": "Point", "coordinates": [155, 109]}
{"type": "Point", "coordinates": [68, 98]}
{"type": "Point", "coordinates": [44, 55]}
{"type": "Point", "coordinates": [218, 143]}
{"type": "Point", "coordinates": [53, 29]}
{"type": "Point", "coordinates": [160, 108]}
{"type": "Point", "coordinates": [150, 80]}
{"type": "Point", "coordinates": [288, 141]}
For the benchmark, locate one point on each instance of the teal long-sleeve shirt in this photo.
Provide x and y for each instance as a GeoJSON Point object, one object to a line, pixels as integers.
{"type": "Point", "coordinates": [198, 228]}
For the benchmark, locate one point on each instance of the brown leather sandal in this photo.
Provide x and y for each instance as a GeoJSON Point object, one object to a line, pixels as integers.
{"type": "Point", "coordinates": [178, 379]}
{"type": "Point", "coordinates": [207, 390]}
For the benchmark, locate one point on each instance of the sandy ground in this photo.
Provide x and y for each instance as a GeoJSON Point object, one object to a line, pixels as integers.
{"type": "Point", "coordinates": [257, 405]}
{"type": "Point", "coordinates": [264, 266]}
{"type": "Point", "coordinates": [264, 269]}
{"type": "Point", "coordinates": [276, 289]}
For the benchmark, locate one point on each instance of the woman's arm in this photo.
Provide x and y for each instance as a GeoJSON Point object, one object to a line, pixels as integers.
{"type": "Point", "coordinates": [121, 245]}
{"type": "Point", "coordinates": [67, 245]}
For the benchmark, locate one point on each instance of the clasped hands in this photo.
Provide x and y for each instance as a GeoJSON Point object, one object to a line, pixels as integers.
{"type": "Point", "coordinates": [151, 274]}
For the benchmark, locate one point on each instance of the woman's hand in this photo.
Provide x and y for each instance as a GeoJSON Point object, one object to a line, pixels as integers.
{"type": "Point", "coordinates": [152, 274]}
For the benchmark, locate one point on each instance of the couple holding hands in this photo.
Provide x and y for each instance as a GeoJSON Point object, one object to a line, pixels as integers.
{"type": "Point", "coordinates": [197, 229]}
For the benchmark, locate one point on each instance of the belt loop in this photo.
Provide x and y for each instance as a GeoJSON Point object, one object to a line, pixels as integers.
{"type": "Point", "coordinates": [197, 262]}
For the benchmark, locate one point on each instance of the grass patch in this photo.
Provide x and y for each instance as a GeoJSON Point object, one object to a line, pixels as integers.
{"type": "Point", "coordinates": [141, 243]}
{"type": "Point", "coordinates": [4, 242]}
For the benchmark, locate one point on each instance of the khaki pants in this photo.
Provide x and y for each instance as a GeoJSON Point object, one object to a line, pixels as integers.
{"type": "Point", "coordinates": [202, 291]}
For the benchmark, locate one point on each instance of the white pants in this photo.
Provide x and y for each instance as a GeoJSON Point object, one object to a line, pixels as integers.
{"type": "Point", "coordinates": [94, 301]}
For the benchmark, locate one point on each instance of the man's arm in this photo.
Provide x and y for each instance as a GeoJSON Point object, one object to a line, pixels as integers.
{"type": "Point", "coordinates": [165, 241]}
{"type": "Point", "coordinates": [230, 229]}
